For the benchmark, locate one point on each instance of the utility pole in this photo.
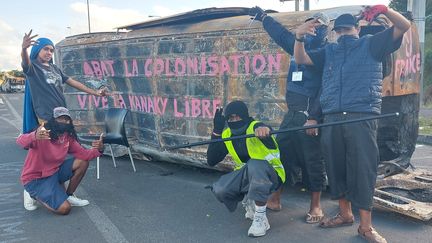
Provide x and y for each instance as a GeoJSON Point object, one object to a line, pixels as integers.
{"type": "Point", "coordinates": [297, 4]}
{"type": "Point", "coordinates": [88, 15]}
{"type": "Point", "coordinates": [418, 9]}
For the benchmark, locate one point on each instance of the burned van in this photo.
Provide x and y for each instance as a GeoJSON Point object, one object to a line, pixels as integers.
{"type": "Point", "coordinates": [172, 73]}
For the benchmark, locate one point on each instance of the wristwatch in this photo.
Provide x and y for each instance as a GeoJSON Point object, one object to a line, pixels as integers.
{"type": "Point", "coordinates": [302, 39]}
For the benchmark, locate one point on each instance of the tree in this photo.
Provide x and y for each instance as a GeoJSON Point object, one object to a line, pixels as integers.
{"type": "Point", "coordinates": [16, 73]}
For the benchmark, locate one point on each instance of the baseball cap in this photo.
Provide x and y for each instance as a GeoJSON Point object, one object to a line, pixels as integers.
{"type": "Point", "coordinates": [321, 17]}
{"type": "Point", "coordinates": [345, 20]}
{"type": "Point", "coordinates": [61, 111]}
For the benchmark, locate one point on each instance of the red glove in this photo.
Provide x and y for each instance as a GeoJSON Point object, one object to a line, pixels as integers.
{"type": "Point", "coordinates": [370, 13]}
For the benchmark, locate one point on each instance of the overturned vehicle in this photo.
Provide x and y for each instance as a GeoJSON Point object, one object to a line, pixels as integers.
{"type": "Point", "coordinates": [171, 74]}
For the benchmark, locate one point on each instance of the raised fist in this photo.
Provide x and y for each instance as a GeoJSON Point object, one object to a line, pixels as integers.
{"type": "Point", "coordinates": [218, 121]}
{"type": "Point", "coordinates": [257, 12]}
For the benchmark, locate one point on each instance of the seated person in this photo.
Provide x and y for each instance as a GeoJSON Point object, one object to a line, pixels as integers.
{"type": "Point", "coordinates": [258, 170]}
{"type": "Point", "coordinates": [46, 167]}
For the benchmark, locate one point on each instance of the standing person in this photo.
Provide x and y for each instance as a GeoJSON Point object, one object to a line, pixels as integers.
{"type": "Point", "coordinates": [258, 171]}
{"type": "Point", "coordinates": [44, 80]}
{"type": "Point", "coordinates": [46, 167]}
{"type": "Point", "coordinates": [301, 148]}
{"type": "Point", "coordinates": [351, 88]}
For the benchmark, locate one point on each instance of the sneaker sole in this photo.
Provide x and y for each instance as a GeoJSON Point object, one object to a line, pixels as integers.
{"type": "Point", "coordinates": [30, 208]}
{"type": "Point", "coordinates": [259, 235]}
{"type": "Point", "coordinates": [80, 205]}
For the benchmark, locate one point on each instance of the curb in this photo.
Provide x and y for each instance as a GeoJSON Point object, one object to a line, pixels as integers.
{"type": "Point", "coordinates": [424, 139]}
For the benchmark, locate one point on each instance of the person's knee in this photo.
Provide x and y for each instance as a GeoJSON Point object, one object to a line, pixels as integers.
{"type": "Point", "coordinates": [219, 192]}
{"type": "Point", "coordinates": [64, 209]}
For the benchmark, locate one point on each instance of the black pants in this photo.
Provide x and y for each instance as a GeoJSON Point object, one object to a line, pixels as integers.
{"type": "Point", "coordinates": [257, 179]}
{"type": "Point", "coordinates": [352, 157]}
{"type": "Point", "coordinates": [301, 150]}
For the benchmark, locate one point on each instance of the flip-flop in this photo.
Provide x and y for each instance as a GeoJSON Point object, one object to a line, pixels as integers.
{"type": "Point", "coordinates": [313, 219]}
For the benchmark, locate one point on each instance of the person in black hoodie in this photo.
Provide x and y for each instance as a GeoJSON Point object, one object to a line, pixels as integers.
{"type": "Point", "coordinates": [300, 148]}
{"type": "Point", "coordinates": [258, 171]}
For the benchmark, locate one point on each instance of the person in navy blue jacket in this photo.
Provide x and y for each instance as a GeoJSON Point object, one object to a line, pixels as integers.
{"type": "Point", "coordinates": [300, 148]}
{"type": "Point", "coordinates": [351, 89]}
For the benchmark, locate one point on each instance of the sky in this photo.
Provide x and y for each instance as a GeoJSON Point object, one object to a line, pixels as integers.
{"type": "Point", "coordinates": [56, 19]}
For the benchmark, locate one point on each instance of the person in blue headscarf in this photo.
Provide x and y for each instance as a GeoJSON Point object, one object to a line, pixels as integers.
{"type": "Point", "coordinates": [44, 92]}
{"type": "Point", "coordinates": [44, 84]}
{"type": "Point", "coordinates": [300, 150]}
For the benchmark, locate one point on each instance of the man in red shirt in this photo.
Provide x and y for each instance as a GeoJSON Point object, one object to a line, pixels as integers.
{"type": "Point", "coordinates": [46, 167]}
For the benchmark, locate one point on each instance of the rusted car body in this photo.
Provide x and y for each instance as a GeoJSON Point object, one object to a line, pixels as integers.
{"type": "Point", "coordinates": [172, 73]}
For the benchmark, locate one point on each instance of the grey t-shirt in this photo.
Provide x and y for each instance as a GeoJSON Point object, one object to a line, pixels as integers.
{"type": "Point", "coordinates": [46, 87]}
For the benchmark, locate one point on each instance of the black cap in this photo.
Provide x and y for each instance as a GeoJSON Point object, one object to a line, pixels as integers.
{"type": "Point", "coordinates": [237, 107]}
{"type": "Point", "coordinates": [345, 20]}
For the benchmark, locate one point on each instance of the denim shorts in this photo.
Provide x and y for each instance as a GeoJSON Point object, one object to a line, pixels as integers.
{"type": "Point", "coordinates": [50, 189]}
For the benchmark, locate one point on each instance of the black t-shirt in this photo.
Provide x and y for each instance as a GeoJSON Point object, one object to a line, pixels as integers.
{"type": "Point", "coordinates": [381, 45]}
{"type": "Point", "coordinates": [46, 87]}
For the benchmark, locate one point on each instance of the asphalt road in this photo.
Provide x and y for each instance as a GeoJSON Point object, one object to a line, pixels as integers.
{"type": "Point", "coordinates": [163, 202]}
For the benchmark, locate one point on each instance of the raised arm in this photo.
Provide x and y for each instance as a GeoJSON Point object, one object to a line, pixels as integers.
{"type": "Point", "coordinates": [283, 37]}
{"type": "Point", "coordinates": [300, 55]}
{"type": "Point", "coordinates": [28, 40]}
{"type": "Point", "coordinates": [401, 24]}
{"type": "Point", "coordinates": [216, 152]}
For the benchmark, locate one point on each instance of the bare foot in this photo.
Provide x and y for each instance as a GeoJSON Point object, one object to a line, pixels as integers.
{"type": "Point", "coordinates": [274, 205]}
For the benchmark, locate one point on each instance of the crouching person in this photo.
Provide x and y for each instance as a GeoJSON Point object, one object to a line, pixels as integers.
{"type": "Point", "coordinates": [46, 167]}
{"type": "Point", "coordinates": [258, 170]}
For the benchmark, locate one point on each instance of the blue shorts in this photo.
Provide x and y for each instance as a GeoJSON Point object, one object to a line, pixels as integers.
{"type": "Point", "coordinates": [50, 189]}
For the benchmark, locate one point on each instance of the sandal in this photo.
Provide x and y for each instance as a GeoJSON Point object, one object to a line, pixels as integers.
{"type": "Point", "coordinates": [313, 219]}
{"type": "Point", "coordinates": [371, 235]}
{"type": "Point", "coordinates": [336, 221]}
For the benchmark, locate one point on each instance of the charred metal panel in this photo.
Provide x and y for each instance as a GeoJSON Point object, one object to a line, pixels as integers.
{"type": "Point", "coordinates": [173, 77]}
{"type": "Point", "coordinates": [409, 193]}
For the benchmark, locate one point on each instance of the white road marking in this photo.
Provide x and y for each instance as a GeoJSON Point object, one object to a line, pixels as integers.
{"type": "Point", "coordinates": [109, 231]}
{"type": "Point", "coordinates": [14, 112]}
{"type": "Point", "coordinates": [12, 123]}
{"type": "Point", "coordinates": [1, 101]}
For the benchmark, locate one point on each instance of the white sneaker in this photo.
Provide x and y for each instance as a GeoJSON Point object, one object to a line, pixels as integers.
{"type": "Point", "coordinates": [259, 226]}
{"type": "Point", "coordinates": [249, 206]}
{"type": "Point", "coordinates": [77, 202]}
{"type": "Point", "coordinates": [29, 202]}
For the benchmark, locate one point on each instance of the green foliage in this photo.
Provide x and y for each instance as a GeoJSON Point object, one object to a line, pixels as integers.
{"type": "Point", "coordinates": [425, 126]}
{"type": "Point", "coordinates": [16, 73]}
{"type": "Point", "coordinates": [398, 5]}
{"type": "Point", "coordinates": [401, 6]}
{"type": "Point", "coordinates": [427, 77]}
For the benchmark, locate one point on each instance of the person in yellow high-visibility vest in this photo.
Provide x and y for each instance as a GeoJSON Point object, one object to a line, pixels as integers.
{"type": "Point", "coordinates": [258, 171]}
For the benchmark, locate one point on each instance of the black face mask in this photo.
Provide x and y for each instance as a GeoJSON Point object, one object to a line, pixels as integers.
{"type": "Point", "coordinates": [236, 124]}
{"type": "Point", "coordinates": [63, 127]}
{"type": "Point", "coordinates": [57, 129]}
